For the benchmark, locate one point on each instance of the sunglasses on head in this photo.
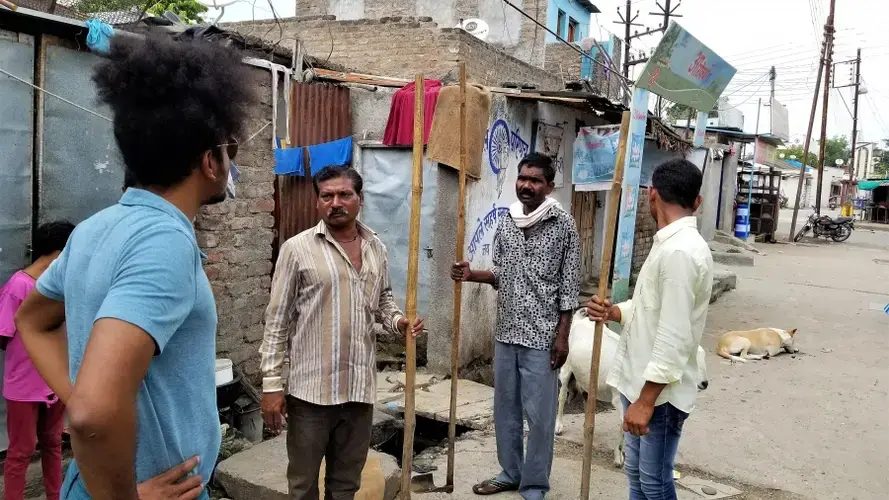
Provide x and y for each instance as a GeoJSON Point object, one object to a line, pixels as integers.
{"type": "Point", "coordinates": [231, 148]}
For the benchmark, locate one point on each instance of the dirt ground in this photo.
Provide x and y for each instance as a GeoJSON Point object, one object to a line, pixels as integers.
{"type": "Point", "coordinates": [814, 424]}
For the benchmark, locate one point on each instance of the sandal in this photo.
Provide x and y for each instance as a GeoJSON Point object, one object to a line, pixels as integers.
{"type": "Point", "coordinates": [492, 487]}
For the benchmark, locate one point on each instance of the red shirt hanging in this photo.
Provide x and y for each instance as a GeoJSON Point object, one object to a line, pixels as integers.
{"type": "Point", "coordinates": [400, 127]}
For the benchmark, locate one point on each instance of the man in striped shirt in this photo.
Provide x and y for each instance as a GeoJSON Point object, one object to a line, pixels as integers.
{"type": "Point", "coordinates": [331, 285]}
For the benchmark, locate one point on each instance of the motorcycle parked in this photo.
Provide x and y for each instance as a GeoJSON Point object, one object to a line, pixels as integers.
{"type": "Point", "coordinates": [838, 229]}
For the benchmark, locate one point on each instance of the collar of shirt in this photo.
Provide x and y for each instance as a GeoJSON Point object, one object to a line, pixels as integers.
{"type": "Point", "coordinates": [134, 197]}
{"type": "Point", "coordinates": [364, 230]}
{"type": "Point", "coordinates": [674, 227]}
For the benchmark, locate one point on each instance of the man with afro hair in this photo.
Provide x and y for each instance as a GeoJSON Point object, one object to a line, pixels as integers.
{"type": "Point", "coordinates": [139, 362]}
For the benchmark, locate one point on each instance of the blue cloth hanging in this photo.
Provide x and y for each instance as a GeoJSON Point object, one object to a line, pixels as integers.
{"type": "Point", "coordinates": [99, 37]}
{"type": "Point", "coordinates": [289, 161]}
{"type": "Point", "coordinates": [338, 152]}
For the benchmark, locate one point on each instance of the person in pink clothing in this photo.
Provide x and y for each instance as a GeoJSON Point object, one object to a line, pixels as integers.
{"type": "Point", "coordinates": [33, 412]}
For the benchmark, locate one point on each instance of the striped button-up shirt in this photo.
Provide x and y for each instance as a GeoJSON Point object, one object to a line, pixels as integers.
{"type": "Point", "coordinates": [325, 309]}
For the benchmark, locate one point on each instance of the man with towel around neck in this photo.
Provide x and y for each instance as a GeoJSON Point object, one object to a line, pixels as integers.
{"type": "Point", "coordinates": [536, 271]}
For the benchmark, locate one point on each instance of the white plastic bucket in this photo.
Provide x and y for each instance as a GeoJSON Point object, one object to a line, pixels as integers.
{"type": "Point", "coordinates": [224, 372]}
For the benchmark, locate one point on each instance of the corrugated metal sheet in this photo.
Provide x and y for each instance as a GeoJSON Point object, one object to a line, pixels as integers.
{"type": "Point", "coordinates": [319, 113]}
{"type": "Point", "coordinates": [82, 171]}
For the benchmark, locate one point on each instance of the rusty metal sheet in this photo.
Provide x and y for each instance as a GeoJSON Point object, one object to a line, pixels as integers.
{"type": "Point", "coordinates": [319, 113]}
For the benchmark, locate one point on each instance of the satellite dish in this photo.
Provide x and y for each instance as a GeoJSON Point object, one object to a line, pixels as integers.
{"type": "Point", "coordinates": [475, 27]}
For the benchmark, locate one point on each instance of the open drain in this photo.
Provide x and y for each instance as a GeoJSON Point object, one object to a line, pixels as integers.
{"type": "Point", "coordinates": [430, 439]}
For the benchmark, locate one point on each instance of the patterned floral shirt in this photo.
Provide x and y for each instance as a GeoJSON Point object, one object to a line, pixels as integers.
{"type": "Point", "coordinates": [537, 272]}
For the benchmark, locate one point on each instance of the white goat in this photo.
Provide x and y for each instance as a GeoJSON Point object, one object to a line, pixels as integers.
{"type": "Point", "coordinates": [577, 367]}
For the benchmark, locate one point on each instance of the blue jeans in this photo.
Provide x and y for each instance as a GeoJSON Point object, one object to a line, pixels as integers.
{"type": "Point", "coordinates": [525, 385]}
{"type": "Point", "coordinates": [650, 458]}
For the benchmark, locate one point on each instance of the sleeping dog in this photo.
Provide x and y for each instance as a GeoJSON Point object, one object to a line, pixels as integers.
{"type": "Point", "coordinates": [761, 343]}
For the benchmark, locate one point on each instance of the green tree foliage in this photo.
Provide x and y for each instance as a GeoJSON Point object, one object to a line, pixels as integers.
{"type": "Point", "coordinates": [836, 149]}
{"type": "Point", "coordinates": [188, 10]}
{"type": "Point", "coordinates": [91, 6]}
{"type": "Point", "coordinates": [797, 151]}
{"type": "Point", "coordinates": [680, 112]}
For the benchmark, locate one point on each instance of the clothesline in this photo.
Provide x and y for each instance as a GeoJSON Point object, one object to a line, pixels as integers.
{"type": "Point", "coordinates": [78, 106]}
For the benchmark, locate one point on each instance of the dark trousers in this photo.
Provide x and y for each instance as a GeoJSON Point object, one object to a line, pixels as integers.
{"type": "Point", "coordinates": [340, 434]}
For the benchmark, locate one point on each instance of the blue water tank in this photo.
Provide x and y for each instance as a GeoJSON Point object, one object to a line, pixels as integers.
{"type": "Point", "coordinates": [742, 222]}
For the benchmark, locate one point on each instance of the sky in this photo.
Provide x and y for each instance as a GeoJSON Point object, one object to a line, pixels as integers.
{"type": "Point", "coordinates": [752, 35]}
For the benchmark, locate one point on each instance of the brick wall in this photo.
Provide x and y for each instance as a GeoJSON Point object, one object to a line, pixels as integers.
{"type": "Point", "coordinates": [526, 40]}
{"type": "Point", "coordinates": [644, 236]}
{"type": "Point", "coordinates": [405, 46]}
{"type": "Point", "coordinates": [563, 61]}
{"type": "Point", "coordinates": [237, 236]}
{"type": "Point", "coordinates": [306, 8]}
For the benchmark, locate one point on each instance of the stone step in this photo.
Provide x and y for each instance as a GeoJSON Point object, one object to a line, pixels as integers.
{"type": "Point", "coordinates": [261, 473]}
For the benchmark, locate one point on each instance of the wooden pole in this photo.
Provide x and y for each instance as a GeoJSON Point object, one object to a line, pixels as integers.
{"type": "Point", "coordinates": [458, 286]}
{"type": "Point", "coordinates": [413, 262]}
{"type": "Point", "coordinates": [589, 422]}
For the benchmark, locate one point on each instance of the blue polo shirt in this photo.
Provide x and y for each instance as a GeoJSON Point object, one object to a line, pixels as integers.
{"type": "Point", "coordinates": [139, 262]}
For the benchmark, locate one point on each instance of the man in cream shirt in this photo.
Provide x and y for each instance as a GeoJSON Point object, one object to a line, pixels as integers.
{"type": "Point", "coordinates": [656, 366]}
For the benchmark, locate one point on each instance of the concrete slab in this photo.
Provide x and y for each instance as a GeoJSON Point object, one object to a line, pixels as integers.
{"type": "Point", "coordinates": [606, 435]}
{"type": "Point", "coordinates": [475, 402]}
{"type": "Point", "coordinates": [728, 239]}
{"type": "Point", "coordinates": [476, 460]}
{"type": "Point", "coordinates": [723, 281]}
{"type": "Point", "coordinates": [261, 472]}
{"type": "Point", "coordinates": [707, 489]}
{"type": "Point", "coordinates": [733, 259]}
{"type": "Point", "coordinates": [390, 385]}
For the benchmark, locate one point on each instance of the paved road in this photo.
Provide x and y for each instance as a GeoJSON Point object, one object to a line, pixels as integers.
{"type": "Point", "coordinates": [815, 424]}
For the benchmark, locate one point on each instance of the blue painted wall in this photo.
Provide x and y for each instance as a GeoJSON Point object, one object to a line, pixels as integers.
{"type": "Point", "coordinates": [586, 66]}
{"type": "Point", "coordinates": [573, 10]}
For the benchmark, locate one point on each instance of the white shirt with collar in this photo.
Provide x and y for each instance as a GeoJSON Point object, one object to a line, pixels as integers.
{"type": "Point", "coordinates": [663, 323]}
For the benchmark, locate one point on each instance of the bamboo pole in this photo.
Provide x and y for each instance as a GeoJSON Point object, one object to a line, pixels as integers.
{"type": "Point", "coordinates": [458, 287]}
{"type": "Point", "coordinates": [413, 261]}
{"type": "Point", "coordinates": [589, 422]}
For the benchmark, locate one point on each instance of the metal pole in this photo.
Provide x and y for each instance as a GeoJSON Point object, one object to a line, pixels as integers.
{"type": "Point", "coordinates": [848, 191]}
{"type": "Point", "coordinates": [753, 164]}
{"type": "Point", "coordinates": [802, 175]}
{"type": "Point", "coordinates": [828, 63]}
{"type": "Point", "coordinates": [627, 22]}
{"type": "Point", "coordinates": [772, 76]}
{"type": "Point", "coordinates": [823, 145]}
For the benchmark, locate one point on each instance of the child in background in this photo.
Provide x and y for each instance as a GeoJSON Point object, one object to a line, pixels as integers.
{"type": "Point", "coordinates": [33, 412]}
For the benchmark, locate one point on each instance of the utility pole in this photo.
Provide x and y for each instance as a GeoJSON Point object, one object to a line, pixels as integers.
{"type": "Point", "coordinates": [628, 19]}
{"type": "Point", "coordinates": [823, 145]}
{"type": "Point", "coordinates": [828, 33]}
{"type": "Point", "coordinates": [772, 76]}
{"type": "Point", "coordinates": [854, 120]}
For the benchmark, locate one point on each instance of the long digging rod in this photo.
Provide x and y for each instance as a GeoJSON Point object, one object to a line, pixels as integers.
{"type": "Point", "coordinates": [589, 422]}
{"type": "Point", "coordinates": [410, 417]}
{"type": "Point", "coordinates": [458, 287]}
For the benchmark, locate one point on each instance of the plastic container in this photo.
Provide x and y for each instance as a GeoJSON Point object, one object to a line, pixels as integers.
{"type": "Point", "coordinates": [742, 222]}
{"type": "Point", "coordinates": [224, 372]}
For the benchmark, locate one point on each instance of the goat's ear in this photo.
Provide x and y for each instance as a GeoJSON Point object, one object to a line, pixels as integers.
{"type": "Point", "coordinates": [791, 332]}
